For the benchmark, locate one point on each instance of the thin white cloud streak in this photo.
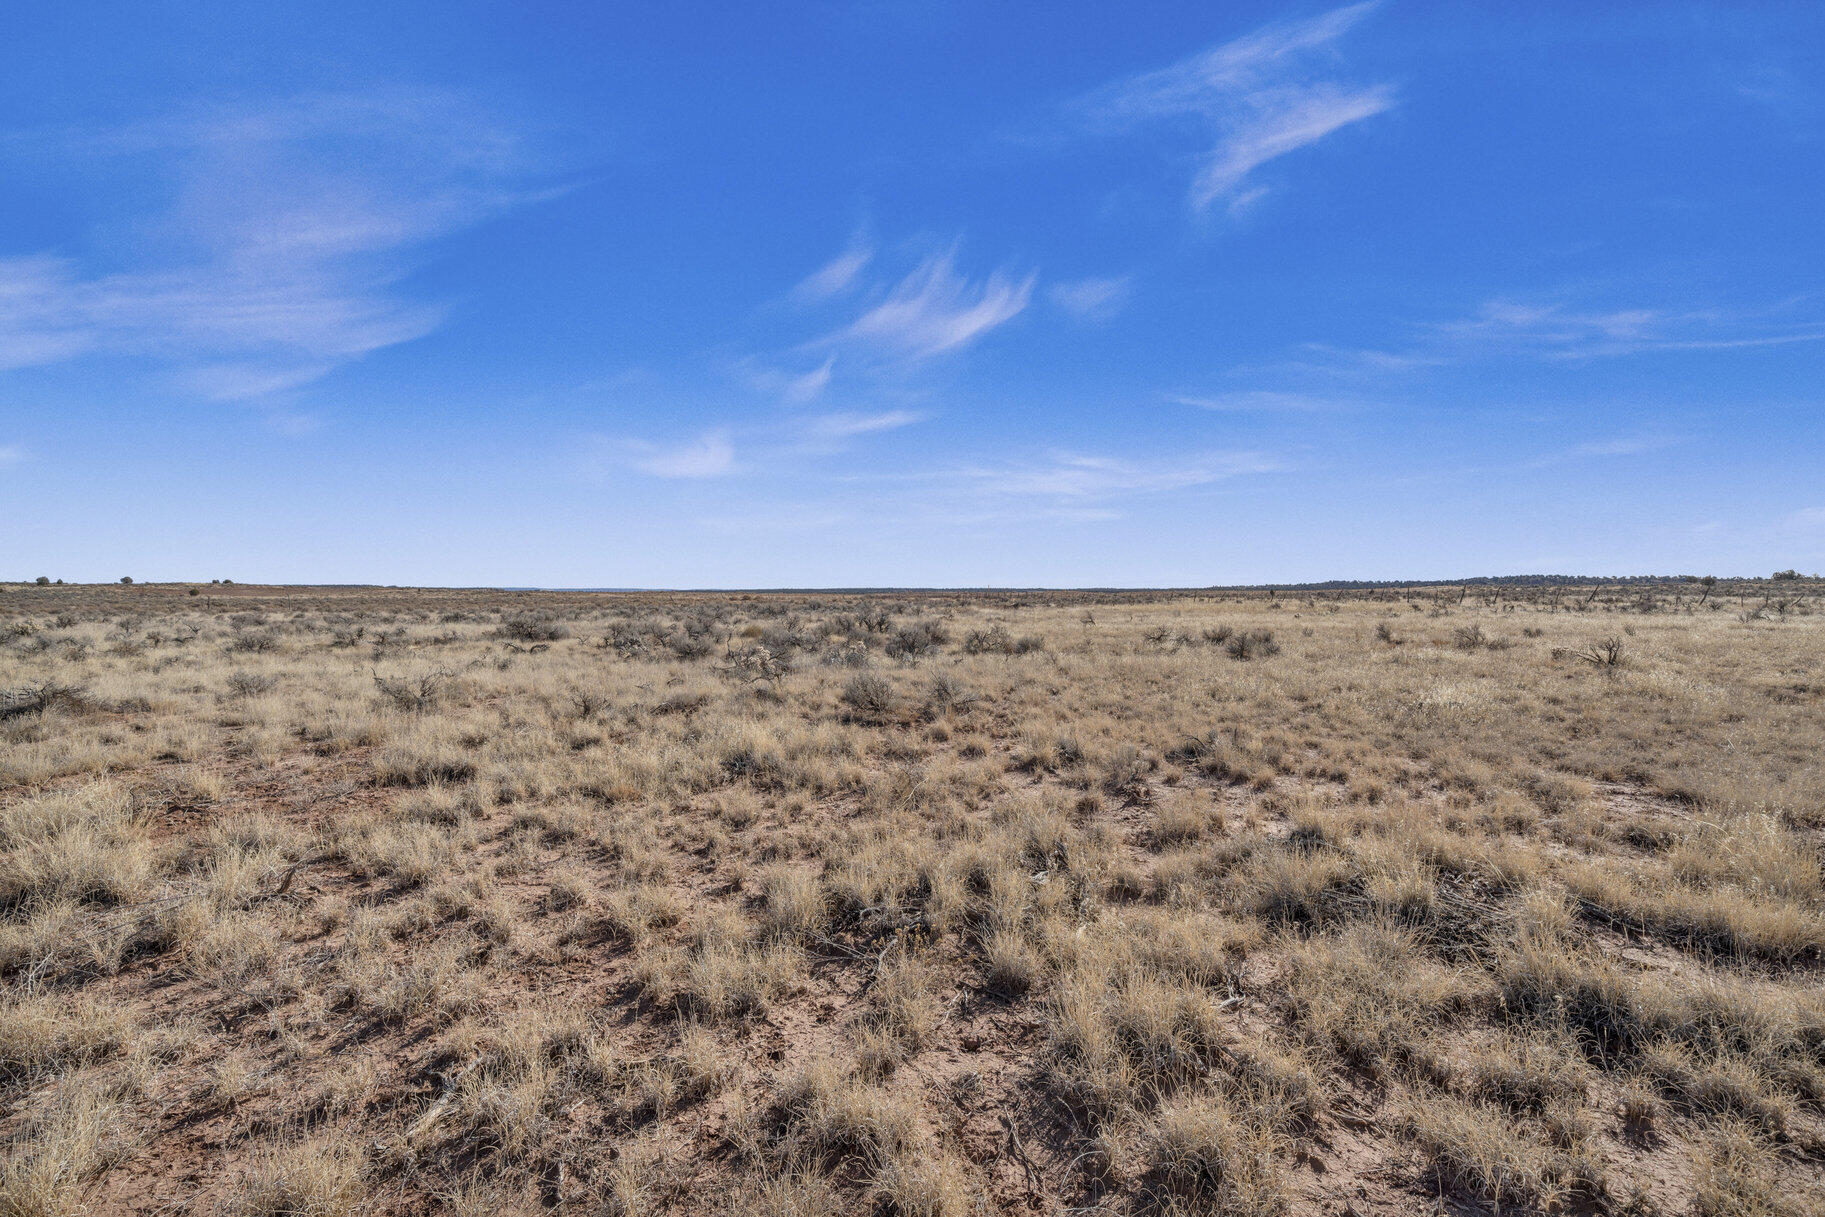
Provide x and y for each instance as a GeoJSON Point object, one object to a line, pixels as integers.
{"type": "Point", "coordinates": [1505, 328]}
{"type": "Point", "coordinates": [1077, 476]}
{"type": "Point", "coordinates": [1603, 449]}
{"type": "Point", "coordinates": [708, 456]}
{"type": "Point", "coordinates": [793, 388]}
{"type": "Point", "coordinates": [1555, 331]}
{"type": "Point", "coordinates": [934, 310]}
{"type": "Point", "coordinates": [766, 448]}
{"type": "Point", "coordinates": [1328, 357]}
{"type": "Point", "coordinates": [846, 426]}
{"type": "Point", "coordinates": [1255, 400]}
{"type": "Point", "coordinates": [235, 334]}
{"type": "Point", "coordinates": [1093, 299]}
{"type": "Point", "coordinates": [1627, 445]}
{"type": "Point", "coordinates": [11, 454]}
{"type": "Point", "coordinates": [1285, 124]}
{"type": "Point", "coordinates": [807, 388]}
{"type": "Point", "coordinates": [280, 258]}
{"type": "Point", "coordinates": [36, 326]}
{"type": "Point", "coordinates": [1062, 486]}
{"type": "Point", "coordinates": [836, 276]}
{"type": "Point", "coordinates": [1251, 100]}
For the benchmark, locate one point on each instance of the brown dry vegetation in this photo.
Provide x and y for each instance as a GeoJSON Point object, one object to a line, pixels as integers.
{"type": "Point", "coordinates": [337, 901]}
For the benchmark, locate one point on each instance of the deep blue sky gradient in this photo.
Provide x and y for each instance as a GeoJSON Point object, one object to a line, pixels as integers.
{"type": "Point", "coordinates": [529, 294]}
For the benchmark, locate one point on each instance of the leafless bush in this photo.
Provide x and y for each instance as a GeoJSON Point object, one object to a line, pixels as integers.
{"type": "Point", "coordinates": [868, 696]}
{"type": "Point", "coordinates": [756, 663]}
{"type": "Point", "coordinates": [1608, 654]}
{"type": "Point", "coordinates": [587, 703]}
{"type": "Point", "coordinates": [42, 696]}
{"type": "Point", "coordinates": [689, 646]}
{"type": "Point", "coordinates": [1252, 644]}
{"type": "Point", "coordinates": [845, 655]}
{"type": "Point", "coordinates": [1126, 776]}
{"type": "Point", "coordinates": [250, 684]}
{"type": "Point", "coordinates": [994, 640]}
{"type": "Point", "coordinates": [946, 692]}
{"type": "Point", "coordinates": [532, 627]}
{"type": "Point", "coordinates": [915, 639]}
{"type": "Point", "coordinates": [417, 693]}
{"type": "Point", "coordinates": [625, 639]}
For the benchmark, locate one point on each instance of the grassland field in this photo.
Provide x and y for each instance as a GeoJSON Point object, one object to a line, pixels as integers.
{"type": "Point", "coordinates": [327, 901]}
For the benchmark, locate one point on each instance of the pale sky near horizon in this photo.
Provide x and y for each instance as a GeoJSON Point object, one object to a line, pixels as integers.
{"type": "Point", "coordinates": [912, 294]}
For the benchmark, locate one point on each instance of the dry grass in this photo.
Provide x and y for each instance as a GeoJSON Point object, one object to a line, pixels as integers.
{"type": "Point", "coordinates": [327, 901]}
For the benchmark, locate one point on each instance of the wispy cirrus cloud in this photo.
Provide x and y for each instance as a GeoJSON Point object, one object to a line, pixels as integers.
{"type": "Point", "coordinates": [1608, 448]}
{"type": "Point", "coordinates": [709, 455]}
{"type": "Point", "coordinates": [1623, 445]}
{"type": "Point", "coordinates": [1247, 102]}
{"type": "Point", "coordinates": [730, 451]}
{"type": "Point", "coordinates": [836, 276]}
{"type": "Point", "coordinates": [1559, 330]}
{"type": "Point", "coordinates": [1256, 401]}
{"type": "Point", "coordinates": [847, 425]}
{"type": "Point", "coordinates": [1079, 476]}
{"type": "Point", "coordinates": [11, 454]}
{"type": "Point", "coordinates": [279, 253]}
{"type": "Point", "coordinates": [1096, 299]}
{"type": "Point", "coordinates": [1057, 485]}
{"type": "Point", "coordinates": [885, 327]}
{"type": "Point", "coordinates": [793, 387]}
{"type": "Point", "coordinates": [934, 309]}
{"type": "Point", "coordinates": [807, 387]}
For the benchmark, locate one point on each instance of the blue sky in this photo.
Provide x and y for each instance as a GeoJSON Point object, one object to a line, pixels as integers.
{"type": "Point", "coordinates": [841, 294]}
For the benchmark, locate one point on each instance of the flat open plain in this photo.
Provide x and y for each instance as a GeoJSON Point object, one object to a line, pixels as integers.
{"type": "Point", "coordinates": [361, 901]}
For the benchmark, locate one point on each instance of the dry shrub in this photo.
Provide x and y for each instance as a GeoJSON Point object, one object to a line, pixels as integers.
{"type": "Point", "coordinates": [869, 697]}
{"type": "Point", "coordinates": [1205, 1151]}
{"type": "Point", "coordinates": [1372, 995]}
{"type": "Point", "coordinates": [1185, 819]}
{"type": "Point", "coordinates": [42, 1034]}
{"type": "Point", "coordinates": [1739, 1175]}
{"type": "Point", "coordinates": [792, 903]}
{"type": "Point", "coordinates": [1487, 1157]}
{"type": "Point", "coordinates": [1252, 644]}
{"type": "Point", "coordinates": [80, 844]}
{"type": "Point", "coordinates": [905, 1001]}
{"type": "Point", "coordinates": [827, 1117]}
{"type": "Point", "coordinates": [60, 1148]}
{"type": "Point", "coordinates": [926, 1185]}
{"type": "Point", "coordinates": [320, 1176]}
{"type": "Point", "coordinates": [1011, 967]}
{"type": "Point", "coordinates": [414, 692]}
{"type": "Point", "coordinates": [1527, 1074]}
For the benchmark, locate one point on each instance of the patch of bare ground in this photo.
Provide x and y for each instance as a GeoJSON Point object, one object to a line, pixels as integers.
{"type": "Point", "coordinates": [352, 901]}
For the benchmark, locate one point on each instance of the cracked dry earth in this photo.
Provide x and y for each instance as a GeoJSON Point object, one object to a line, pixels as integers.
{"type": "Point", "coordinates": [338, 901]}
